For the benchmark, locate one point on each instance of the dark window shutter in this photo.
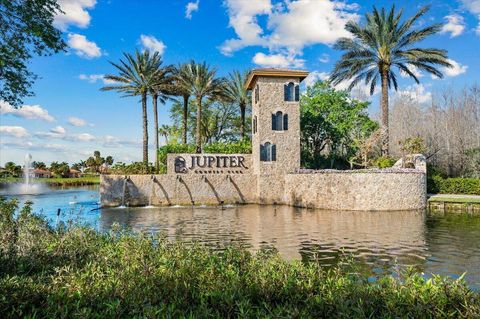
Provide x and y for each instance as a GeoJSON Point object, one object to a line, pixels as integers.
{"type": "Point", "coordinates": [274, 122]}
{"type": "Point", "coordinates": [285, 92]}
{"type": "Point", "coordinates": [297, 93]}
{"type": "Point", "coordinates": [285, 122]}
{"type": "Point", "coordinates": [262, 153]}
{"type": "Point", "coordinates": [274, 152]}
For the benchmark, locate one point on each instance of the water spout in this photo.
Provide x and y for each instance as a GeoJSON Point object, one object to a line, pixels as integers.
{"type": "Point", "coordinates": [153, 179]}
{"type": "Point", "coordinates": [126, 179]}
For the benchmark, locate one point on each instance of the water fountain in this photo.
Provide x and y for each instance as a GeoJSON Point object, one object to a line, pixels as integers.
{"type": "Point", "coordinates": [28, 187]}
{"type": "Point", "coordinates": [124, 191]}
{"type": "Point", "coordinates": [153, 179]}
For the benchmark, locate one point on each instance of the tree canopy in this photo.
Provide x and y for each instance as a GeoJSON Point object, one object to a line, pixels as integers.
{"type": "Point", "coordinates": [330, 123]}
{"type": "Point", "coordinates": [26, 29]}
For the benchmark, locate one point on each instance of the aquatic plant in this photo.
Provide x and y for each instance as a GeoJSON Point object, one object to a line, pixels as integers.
{"type": "Point", "coordinates": [78, 272]}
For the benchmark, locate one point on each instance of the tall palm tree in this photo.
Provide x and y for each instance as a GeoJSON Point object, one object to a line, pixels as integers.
{"type": "Point", "coordinates": [382, 44]}
{"type": "Point", "coordinates": [165, 131]}
{"type": "Point", "coordinates": [203, 84]}
{"type": "Point", "coordinates": [237, 93]}
{"type": "Point", "coordinates": [136, 76]}
{"type": "Point", "coordinates": [159, 91]}
{"type": "Point", "coordinates": [182, 87]}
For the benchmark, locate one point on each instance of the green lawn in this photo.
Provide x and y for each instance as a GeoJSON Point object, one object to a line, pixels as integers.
{"type": "Point", "coordinates": [58, 181]}
{"type": "Point", "coordinates": [460, 200]}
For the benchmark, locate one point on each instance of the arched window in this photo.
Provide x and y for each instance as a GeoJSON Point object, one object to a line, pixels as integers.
{"type": "Point", "coordinates": [279, 121]}
{"type": "Point", "coordinates": [289, 91]}
{"type": "Point", "coordinates": [257, 94]}
{"type": "Point", "coordinates": [268, 152]}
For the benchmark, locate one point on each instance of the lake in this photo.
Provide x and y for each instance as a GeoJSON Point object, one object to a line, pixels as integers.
{"type": "Point", "coordinates": [445, 244]}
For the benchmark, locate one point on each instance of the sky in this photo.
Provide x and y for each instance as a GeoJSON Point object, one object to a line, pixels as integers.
{"type": "Point", "coordinates": [69, 117]}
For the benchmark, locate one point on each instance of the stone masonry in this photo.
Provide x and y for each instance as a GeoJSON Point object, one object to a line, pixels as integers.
{"type": "Point", "coordinates": [217, 179]}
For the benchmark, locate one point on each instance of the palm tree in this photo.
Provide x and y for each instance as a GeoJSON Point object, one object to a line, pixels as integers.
{"type": "Point", "coordinates": [203, 84]}
{"type": "Point", "coordinates": [137, 75]}
{"type": "Point", "coordinates": [159, 92]}
{"type": "Point", "coordinates": [237, 93]}
{"type": "Point", "coordinates": [182, 87]}
{"type": "Point", "coordinates": [380, 45]}
{"type": "Point", "coordinates": [165, 131]}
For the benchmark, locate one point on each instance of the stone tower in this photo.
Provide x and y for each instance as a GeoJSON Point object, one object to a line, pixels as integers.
{"type": "Point", "coordinates": [275, 120]}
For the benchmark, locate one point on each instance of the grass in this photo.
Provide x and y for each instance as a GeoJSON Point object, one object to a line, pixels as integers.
{"type": "Point", "coordinates": [460, 200]}
{"type": "Point", "coordinates": [78, 272]}
{"type": "Point", "coordinates": [58, 181]}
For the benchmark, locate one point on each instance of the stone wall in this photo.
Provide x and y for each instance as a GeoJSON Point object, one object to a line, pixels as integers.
{"type": "Point", "coordinates": [172, 189]}
{"type": "Point", "coordinates": [334, 190]}
{"type": "Point", "coordinates": [271, 100]}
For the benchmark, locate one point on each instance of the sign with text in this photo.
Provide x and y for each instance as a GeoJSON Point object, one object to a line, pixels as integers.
{"type": "Point", "coordinates": [209, 163]}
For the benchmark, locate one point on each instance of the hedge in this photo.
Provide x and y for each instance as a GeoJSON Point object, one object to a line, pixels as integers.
{"type": "Point", "coordinates": [439, 185]}
{"type": "Point", "coordinates": [238, 147]}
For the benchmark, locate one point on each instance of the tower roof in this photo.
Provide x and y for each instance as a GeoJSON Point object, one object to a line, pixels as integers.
{"type": "Point", "coordinates": [273, 72]}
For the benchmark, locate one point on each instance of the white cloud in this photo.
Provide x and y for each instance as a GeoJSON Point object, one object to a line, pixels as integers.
{"type": "Point", "coordinates": [76, 121]}
{"type": "Point", "coordinates": [190, 8]}
{"type": "Point", "coordinates": [58, 130]}
{"type": "Point", "coordinates": [243, 19]}
{"type": "Point", "coordinates": [83, 47]}
{"type": "Point", "coordinates": [315, 76]}
{"type": "Point", "coordinates": [416, 92]}
{"type": "Point", "coordinates": [153, 44]}
{"type": "Point", "coordinates": [472, 5]}
{"type": "Point", "coordinates": [16, 131]}
{"type": "Point", "coordinates": [93, 78]}
{"type": "Point", "coordinates": [112, 141]}
{"type": "Point", "coordinates": [74, 13]}
{"type": "Point", "coordinates": [310, 22]}
{"type": "Point", "coordinates": [84, 137]}
{"type": "Point", "coordinates": [290, 25]}
{"type": "Point", "coordinates": [277, 60]}
{"type": "Point", "coordinates": [477, 30]}
{"type": "Point", "coordinates": [455, 70]}
{"type": "Point", "coordinates": [31, 112]}
{"type": "Point", "coordinates": [455, 25]}
{"type": "Point", "coordinates": [29, 145]}
{"type": "Point", "coordinates": [324, 58]}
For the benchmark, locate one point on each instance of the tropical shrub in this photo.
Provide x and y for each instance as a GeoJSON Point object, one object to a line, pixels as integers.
{"type": "Point", "coordinates": [458, 185]}
{"type": "Point", "coordinates": [132, 168]}
{"type": "Point", "coordinates": [78, 272]}
{"type": "Point", "coordinates": [384, 162]}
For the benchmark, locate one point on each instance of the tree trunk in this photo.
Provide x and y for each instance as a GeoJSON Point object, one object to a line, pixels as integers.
{"type": "Point", "coordinates": [198, 137]}
{"type": "Point", "coordinates": [242, 120]}
{"type": "Point", "coordinates": [384, 136]}
{"type": "Point", "coordinates": [145, 131]}
{"type": "Point", "coordinates": [155, 118]}
{"type": "Point", "coordinates": [185, 118]}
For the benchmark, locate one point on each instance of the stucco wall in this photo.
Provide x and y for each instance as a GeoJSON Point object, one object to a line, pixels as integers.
{"type": "Point", "coordinates": [341, 190]}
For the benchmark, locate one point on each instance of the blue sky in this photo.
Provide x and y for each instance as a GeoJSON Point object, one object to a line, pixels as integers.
{"type": "Point", "coordinates": [69, 118]}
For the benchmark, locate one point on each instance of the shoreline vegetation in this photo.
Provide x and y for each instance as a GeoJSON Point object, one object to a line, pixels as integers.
{"type": "Point", "coordinates": [75, 271]}
{"type": "Point", "coordinates": [56, 181]}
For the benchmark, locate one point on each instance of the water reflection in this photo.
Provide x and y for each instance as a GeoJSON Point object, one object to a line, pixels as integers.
{"type": "Point", "coordinates": [446, 244]}
{"type": "Point", "coordinates": [379, 238]}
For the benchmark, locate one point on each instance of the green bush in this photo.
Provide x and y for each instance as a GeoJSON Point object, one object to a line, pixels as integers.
{"type": "Point", "coordinates": [384, 162]}
{"type": "Point", "coordinates": [238, 147]}
{"type": "Point", "coordinates": [439, 185]}
{"type": "Point", "coordinates": [78, 272]}
{"type": "Point", "coordinates": [132, 168]}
